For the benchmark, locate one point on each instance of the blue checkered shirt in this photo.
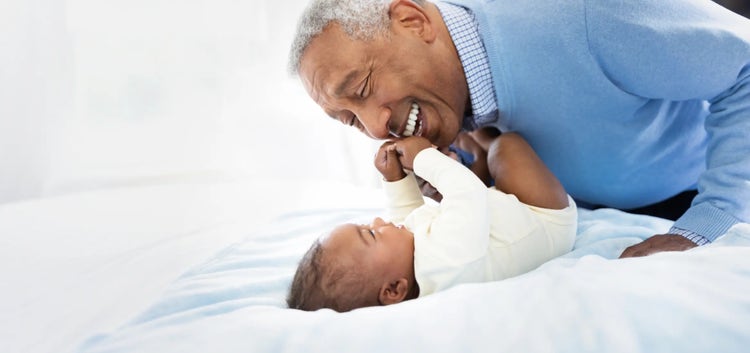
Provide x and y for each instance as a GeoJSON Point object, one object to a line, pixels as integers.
{"type": "Point", "coordinates": [464, 31]}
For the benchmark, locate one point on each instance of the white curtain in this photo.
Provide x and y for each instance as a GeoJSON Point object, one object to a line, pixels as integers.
{"type": "Point", "coordinates": [101, 93]}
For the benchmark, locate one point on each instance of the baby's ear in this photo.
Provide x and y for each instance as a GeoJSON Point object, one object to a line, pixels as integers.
{"type": "Point", "coordinates": [393, 292]}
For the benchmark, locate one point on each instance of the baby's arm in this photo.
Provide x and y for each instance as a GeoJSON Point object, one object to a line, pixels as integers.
{"type": "Point", "coordinates": [408, 148]}
{"type": "Point", "coordinates": [517, 170]}
{"type": "Point", "coordinates": [401, 189]}
{"type": "Point", "coordinates": [458, 185]}
{"type": "Point", "coordinates": [458, 228]}
{"type": "Point", "coordinates": [388, 163]}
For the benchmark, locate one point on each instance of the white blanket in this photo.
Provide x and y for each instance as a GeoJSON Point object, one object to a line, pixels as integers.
{"type": "Point", "coordinates": [75, 265]}
{"type": "Point", "coordinates": [586, 301]}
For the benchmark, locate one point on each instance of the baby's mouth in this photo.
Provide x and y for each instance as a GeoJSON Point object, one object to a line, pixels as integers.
{"type": "Point", "coordinates": [413, 122]}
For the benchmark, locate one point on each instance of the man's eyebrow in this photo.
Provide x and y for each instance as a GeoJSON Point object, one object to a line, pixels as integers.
{"type": "Point", "coordinates": [334, 115]}
{"type": "Point", "coordinates": [346, 83]}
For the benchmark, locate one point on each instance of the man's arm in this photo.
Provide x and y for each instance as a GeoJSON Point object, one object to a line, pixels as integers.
{"type": "Point", "coordinates": [697, 52]}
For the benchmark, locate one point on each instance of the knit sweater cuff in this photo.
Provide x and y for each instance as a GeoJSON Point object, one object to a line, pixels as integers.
{"type": "Point", "coordinates": [706, 220]}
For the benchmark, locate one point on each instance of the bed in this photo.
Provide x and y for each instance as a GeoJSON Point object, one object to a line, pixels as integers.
{"type": "Point", "coordinates": [204, 267]}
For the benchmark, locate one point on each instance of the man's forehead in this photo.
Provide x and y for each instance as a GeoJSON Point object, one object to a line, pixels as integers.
{"type": "Point", "coordinates": [327, 81]}
{"type": "Point", "coordinates": [331, 64]}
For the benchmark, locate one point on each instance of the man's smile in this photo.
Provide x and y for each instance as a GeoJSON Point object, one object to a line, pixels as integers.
{"type": "Point", "coordinates": [413, 124]}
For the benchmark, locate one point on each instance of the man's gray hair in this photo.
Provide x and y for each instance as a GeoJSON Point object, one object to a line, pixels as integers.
{"type": "Point", "coordinates": [359, 19]}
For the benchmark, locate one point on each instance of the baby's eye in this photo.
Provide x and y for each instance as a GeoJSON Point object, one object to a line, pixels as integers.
{"type": "Point", "coordinates": [372, 232]}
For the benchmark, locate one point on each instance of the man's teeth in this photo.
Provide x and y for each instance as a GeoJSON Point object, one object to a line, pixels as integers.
{"type": "Point", "coordinates": [411, 122]}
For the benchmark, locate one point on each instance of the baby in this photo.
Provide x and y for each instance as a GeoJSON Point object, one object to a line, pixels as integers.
{"type": "Point", "coordinates": [470, 149]}
{"type": "Point", "coordinates": [475, 234]}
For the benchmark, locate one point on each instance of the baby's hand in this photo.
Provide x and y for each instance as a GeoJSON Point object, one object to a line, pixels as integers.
{"type": "Point", "coordinates": [408, 148]}
{"type": "Point", "coordinates": [387, 163]}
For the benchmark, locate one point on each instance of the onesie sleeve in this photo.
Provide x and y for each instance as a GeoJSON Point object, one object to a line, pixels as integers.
{"type": "Point", "coordinates": [687, 50]}
{"type": "Point", "coordinates": [402, 197]}
{"type": "Point", "coordinates": [459, 233]}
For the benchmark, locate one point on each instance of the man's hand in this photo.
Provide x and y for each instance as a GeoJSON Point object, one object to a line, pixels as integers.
{"type": "Point", "coordinates": [659, 243]}
{"type": "Point", "coordinates": [387, 163]}
{"type": "Point", "coordinates": [408, 148]}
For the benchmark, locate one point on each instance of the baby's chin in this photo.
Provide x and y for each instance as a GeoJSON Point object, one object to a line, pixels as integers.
{"type": "Point", "coordinates": [407, 233]}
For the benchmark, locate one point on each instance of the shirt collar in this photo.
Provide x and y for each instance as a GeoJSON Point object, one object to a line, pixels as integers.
{"type": "Point", "coordinates": [464, 30]}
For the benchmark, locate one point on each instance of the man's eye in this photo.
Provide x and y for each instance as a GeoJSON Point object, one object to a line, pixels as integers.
{"type": "Point", "coordinates": [364, 86]}
{"type": "Point", "coordinates": [356, 123]}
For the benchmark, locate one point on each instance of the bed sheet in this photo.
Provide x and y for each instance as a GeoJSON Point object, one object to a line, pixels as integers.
{"type": "Point", "coordinates": [75, 265]}
{"type": "Point", "coordinates": [585, 301]}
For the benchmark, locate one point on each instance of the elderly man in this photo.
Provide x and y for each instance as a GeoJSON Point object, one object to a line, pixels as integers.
{"type": "Point", "coordinates": [638, 105]}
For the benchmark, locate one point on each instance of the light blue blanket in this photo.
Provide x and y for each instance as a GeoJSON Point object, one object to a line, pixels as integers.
{"type": "Point", "coordinates": [585, 301]}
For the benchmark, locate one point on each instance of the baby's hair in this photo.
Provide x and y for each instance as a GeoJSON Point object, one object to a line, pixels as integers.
{"type": "Point", "coordinates": [307, 277]}
{"type": "Point", "coordinates": [327, 283]}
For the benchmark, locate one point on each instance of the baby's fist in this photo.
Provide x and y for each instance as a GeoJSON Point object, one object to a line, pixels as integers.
{"type": "Point", "coordinates": [387, 163]}
{"type": "Point", "coordinates": [408, 148]}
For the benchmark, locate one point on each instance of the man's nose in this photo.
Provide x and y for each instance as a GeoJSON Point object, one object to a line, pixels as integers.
{"type": "Point", "coordinates": [375, 121]}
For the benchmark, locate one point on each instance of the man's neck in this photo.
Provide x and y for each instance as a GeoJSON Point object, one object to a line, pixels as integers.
{"type": "Point", "coordinates": [446, 41]}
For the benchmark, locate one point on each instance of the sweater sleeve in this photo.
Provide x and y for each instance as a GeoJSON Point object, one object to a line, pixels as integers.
{"type": "Point", "coordinates": [687, 50]}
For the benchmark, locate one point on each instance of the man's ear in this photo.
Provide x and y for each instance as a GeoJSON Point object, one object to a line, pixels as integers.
{"type": "Point", "coordinates": [408, 15]}
{"type": "Point", "coordinates": [393, 292]}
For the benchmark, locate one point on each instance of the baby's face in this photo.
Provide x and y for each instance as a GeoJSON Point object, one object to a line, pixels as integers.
{"type": "Point", "coordinates": [380, 248]}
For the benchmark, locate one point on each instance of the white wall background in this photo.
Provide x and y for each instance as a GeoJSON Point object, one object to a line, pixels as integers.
{"type": "Point", "coordinates": [100, 93]}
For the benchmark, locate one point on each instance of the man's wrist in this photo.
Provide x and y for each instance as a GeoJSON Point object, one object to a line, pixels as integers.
{"type": "Point", "coordinates": [692, 236]}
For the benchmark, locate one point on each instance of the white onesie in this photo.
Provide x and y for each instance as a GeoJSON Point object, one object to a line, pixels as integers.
{"type": "Point", "coordinates": [475, 234]}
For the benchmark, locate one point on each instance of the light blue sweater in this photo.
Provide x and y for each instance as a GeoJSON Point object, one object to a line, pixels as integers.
{"type": "Point", "coordinates": [629, 102]}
